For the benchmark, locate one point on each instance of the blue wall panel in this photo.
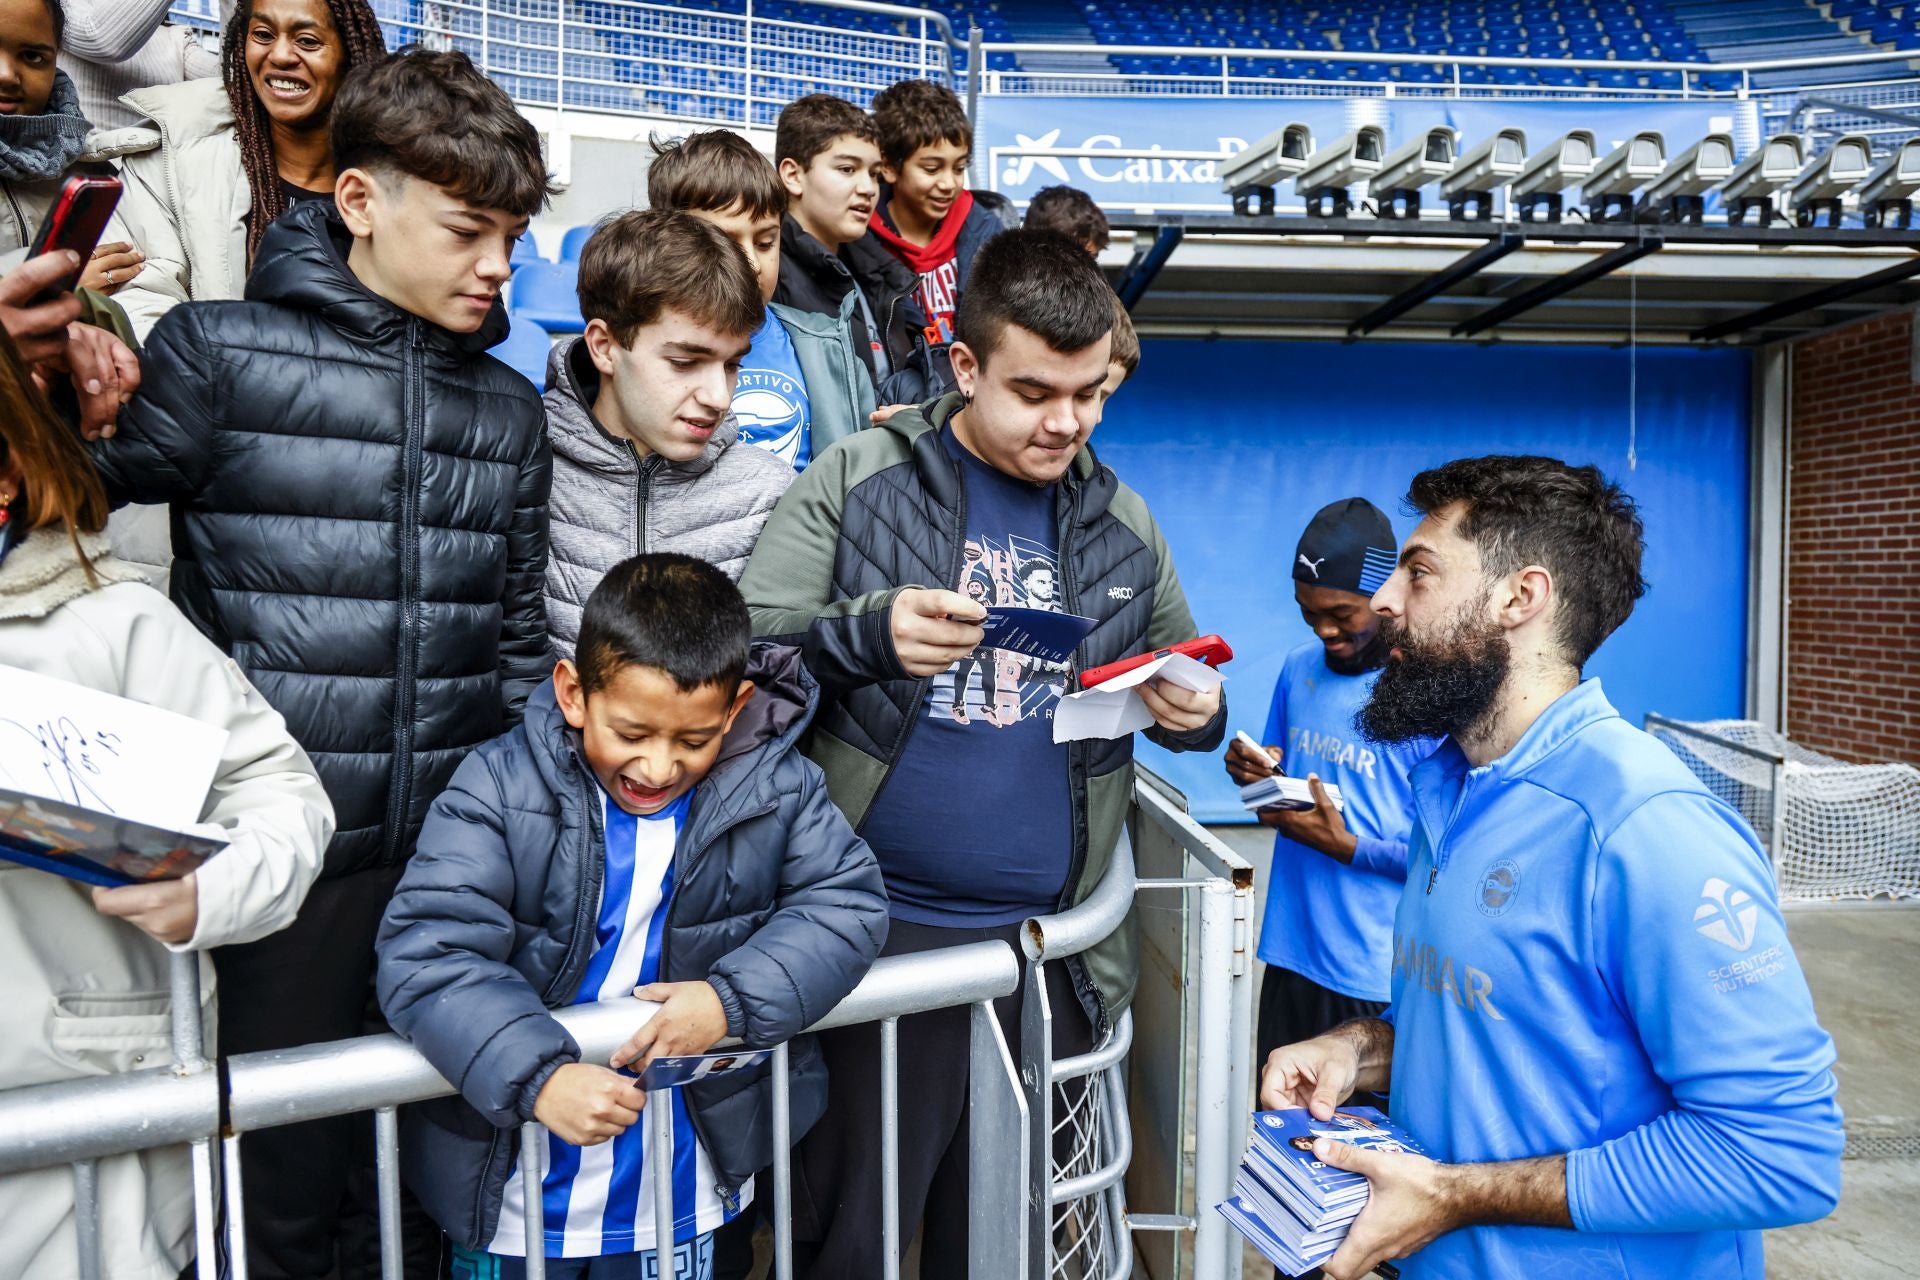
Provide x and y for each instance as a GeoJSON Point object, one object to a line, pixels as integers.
{"type": "Point", "coordinates": [1236, 444]}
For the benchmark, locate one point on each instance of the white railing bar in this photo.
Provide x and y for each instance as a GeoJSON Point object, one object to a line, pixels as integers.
{"type": "Point", "coordinates": [1115, 1168]}
{"type": "Point", "coordinates": [236, 1211]}
{"type": "Point", "coordinates": [782, 1168]}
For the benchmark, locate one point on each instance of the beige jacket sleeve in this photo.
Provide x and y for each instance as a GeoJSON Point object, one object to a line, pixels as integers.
{"type": "Point", "coordinates": [265, 801]}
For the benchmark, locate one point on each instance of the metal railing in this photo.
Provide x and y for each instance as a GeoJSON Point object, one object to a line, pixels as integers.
{"type": "Point", "coordinates": [631, 58]}
{"type": "Point", "coordinates": [739, 67]}
{"type": "Point", "coordinates": [1031, 1217]}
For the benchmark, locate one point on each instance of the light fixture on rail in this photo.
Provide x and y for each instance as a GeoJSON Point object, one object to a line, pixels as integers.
{"type": "Point", "coordinates": [1324, 179]}
{"type": "Point", "coordinates": [1749, 190]}
{"type": "Point", "coordinates": [1565, 162]}
{"type": "Point", "coordinates": [1624, 170]}
{"type": "Point", "coordinates": [1396, 187]}
{"type": "Point", "coordinates": [1820, 190]}
{"type": "Point", "coordinates": [1482, 171]}
{"type": "Point", "coordinates": [1886, 197]}
{"type": "Point", "coordinates": [1679, 193]}
{"type": "Point", "coordinates": [1251, 176]}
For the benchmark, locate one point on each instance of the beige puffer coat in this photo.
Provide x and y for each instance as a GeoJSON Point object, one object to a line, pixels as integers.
{"type": "Point", "coordinates": [87, 995]}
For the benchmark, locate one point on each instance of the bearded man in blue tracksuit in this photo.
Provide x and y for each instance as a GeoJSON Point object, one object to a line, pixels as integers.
{"type": "Point", "coordinates": [1598, 1027]}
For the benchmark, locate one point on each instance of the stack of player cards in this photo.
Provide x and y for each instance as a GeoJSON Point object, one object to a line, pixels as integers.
{"type": "Point", "coordinates": [1295, 1209]}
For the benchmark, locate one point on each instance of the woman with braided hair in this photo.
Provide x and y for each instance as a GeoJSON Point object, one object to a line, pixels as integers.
{"type": "Point", "coordinates": [220, 160]}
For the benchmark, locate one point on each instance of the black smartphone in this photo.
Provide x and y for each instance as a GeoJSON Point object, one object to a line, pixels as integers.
{"type": "Point", "coordinates": [76, 221]}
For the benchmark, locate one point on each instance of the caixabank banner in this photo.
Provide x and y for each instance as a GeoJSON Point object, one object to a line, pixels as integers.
{"type": "Point", "coordinates": [1163, 153]}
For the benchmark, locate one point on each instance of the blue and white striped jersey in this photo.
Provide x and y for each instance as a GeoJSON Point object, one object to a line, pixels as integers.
{"type": "Point", "coordinates": [599, 1200]}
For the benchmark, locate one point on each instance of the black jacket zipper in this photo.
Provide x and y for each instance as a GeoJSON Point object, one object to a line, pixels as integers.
{"type": "Point", "coordinates": [1077, 772]}
{"type": "Point", "coordinates": [413, 444]}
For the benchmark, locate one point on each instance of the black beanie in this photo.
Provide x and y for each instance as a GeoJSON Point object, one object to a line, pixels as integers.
{"type": "Point", "coordinates": [1349, 546]}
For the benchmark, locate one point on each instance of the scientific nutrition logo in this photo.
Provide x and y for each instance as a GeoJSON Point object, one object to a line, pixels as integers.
{"type": "Point", "coordinates": [1498, 885]}
{"type": "Point", "coordinates": [1726, 914]}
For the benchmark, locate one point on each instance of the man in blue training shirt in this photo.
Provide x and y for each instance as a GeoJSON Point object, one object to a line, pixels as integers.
{"type": "Point", "coordinates": [1599, 1029]}
{"type": "Point", "coordinates": [1326, 936]}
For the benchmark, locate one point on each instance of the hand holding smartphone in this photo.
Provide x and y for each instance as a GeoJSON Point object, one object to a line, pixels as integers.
{"type": "Point", "coordinates": [76, 221]}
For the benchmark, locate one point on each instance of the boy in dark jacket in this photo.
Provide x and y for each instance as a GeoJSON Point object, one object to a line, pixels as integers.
{"type": "Point", "coordinates": [658, 781]}
{"type": "Point", "coordinates": [359, 507]}
{"type": "Point", "coordinates": [828, 156]}
{"type": "Point", "coordinates": [927, 218]}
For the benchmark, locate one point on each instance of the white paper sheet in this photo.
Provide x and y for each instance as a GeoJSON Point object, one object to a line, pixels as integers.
{"type": "Point", "coordinates": [1113, 708]}
{"type": "Point", "coordinates": [105, 753]}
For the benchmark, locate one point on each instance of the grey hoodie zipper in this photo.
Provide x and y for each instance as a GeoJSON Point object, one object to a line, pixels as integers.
{"type": "Point", "coordinates": [19, 216]}
{"type": "Point", "coordinates": [644, 469]}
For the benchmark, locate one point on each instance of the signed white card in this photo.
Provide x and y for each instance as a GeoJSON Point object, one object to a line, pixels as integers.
{"type": "Point", "coordinates": [109, 754]}
{"type": "Point", "coordinates": [1113, 708]}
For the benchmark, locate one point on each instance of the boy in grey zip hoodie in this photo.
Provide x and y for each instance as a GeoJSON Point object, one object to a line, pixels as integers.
{"type": "Point", "coordinates": [646, 452]}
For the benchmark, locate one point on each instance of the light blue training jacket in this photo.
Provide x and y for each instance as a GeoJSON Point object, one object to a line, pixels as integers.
{"type": "Point", "coordinates": [1589, 960]}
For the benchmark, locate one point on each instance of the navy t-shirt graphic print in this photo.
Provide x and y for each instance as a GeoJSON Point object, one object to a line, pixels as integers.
{"type": "Point", "coordinates": [974, 827]}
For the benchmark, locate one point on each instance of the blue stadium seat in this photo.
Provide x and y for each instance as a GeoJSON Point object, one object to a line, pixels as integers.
{"type": "Point", "coordinates": [547, 293]}
{"type": "Point", "coordinates": [525, 349]}
{"type": "Point", "coordinates": [524, 251]}
{"type": "Point", "coordinates": [573, 242]}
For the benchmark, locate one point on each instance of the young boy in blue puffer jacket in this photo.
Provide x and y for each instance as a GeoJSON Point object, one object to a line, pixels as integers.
{"type": "Point", "coordinates": [650, 829]}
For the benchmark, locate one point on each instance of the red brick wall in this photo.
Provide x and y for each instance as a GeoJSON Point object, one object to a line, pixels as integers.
{"type": "Point", "coordinates": [1853, 543]}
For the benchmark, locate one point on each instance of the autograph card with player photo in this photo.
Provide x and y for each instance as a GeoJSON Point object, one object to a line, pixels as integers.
{"type": "Point", "coordinates": [1036, 633]}
{"type": "Point", "coordinates": [671, 1073]}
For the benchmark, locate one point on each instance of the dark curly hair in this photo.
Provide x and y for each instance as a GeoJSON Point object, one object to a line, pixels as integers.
{"type": "Point", "coordinates": [1573, 521]}
{"type": "Point", "coordinates": [360, 42]}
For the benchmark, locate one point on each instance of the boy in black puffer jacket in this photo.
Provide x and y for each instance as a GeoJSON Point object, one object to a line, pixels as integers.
{"type": "Point", "coordinates": [658, 781]}
{"type": "Point", "coordinates": [359, 507]}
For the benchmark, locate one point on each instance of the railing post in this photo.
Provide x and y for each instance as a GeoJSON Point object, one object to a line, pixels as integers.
{"type": "Point", "coordinates": [998, 1129]}
{"type": "Point", "coordinates": [183, 1009]}
{"type": "Point", "coordinates": [86, 1218]}
{"type": "Point", "coordinates": [1777, 827]}
{"type": "Point", "coordinates": [386, 1174]}
{"type": "Point", "coordinates": [782, 1168]}
{"type": "Point", "coordinates": [890, 1148]}
{"type": "Point", "coordinates": [1215, 1105]}
{"type": "Point", "coordinates": [533, 1172]}
{"type": "Point", "coordinates": [486, 39]}
{"type": "Point", "coordinates": [660, 1157]}
{"type": "Point", "coordinates": [974, 73]}
{"type": "Point", "coordinates": [748, 29]}
{"type": "Point", "coordinates": [1036, 1082]}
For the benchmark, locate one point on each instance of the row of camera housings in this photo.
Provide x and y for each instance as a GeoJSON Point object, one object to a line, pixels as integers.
{"type": "Point", "coordinates": [1633, 182]}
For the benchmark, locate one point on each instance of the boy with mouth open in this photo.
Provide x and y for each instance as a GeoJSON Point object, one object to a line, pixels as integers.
{"type": "Point", "coordinates": [650, 830]}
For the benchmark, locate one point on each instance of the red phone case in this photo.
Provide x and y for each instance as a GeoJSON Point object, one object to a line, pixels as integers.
{"type": "Point", "coordinates": [76, 221]}
{"type": "Point", "coordinates": [1211, 650]}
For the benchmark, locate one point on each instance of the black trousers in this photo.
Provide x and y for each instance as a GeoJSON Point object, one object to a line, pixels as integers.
{"type": "Point", "coordinates": [837, 1186]}
{"type": "Point", "coordinates": [1295, 1008]}
{"type": "Point", "coordinates": [309, 1188]}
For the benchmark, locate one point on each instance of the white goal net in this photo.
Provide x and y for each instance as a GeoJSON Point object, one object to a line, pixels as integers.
{"type": "Point", "coordinates": [1834, 830]}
